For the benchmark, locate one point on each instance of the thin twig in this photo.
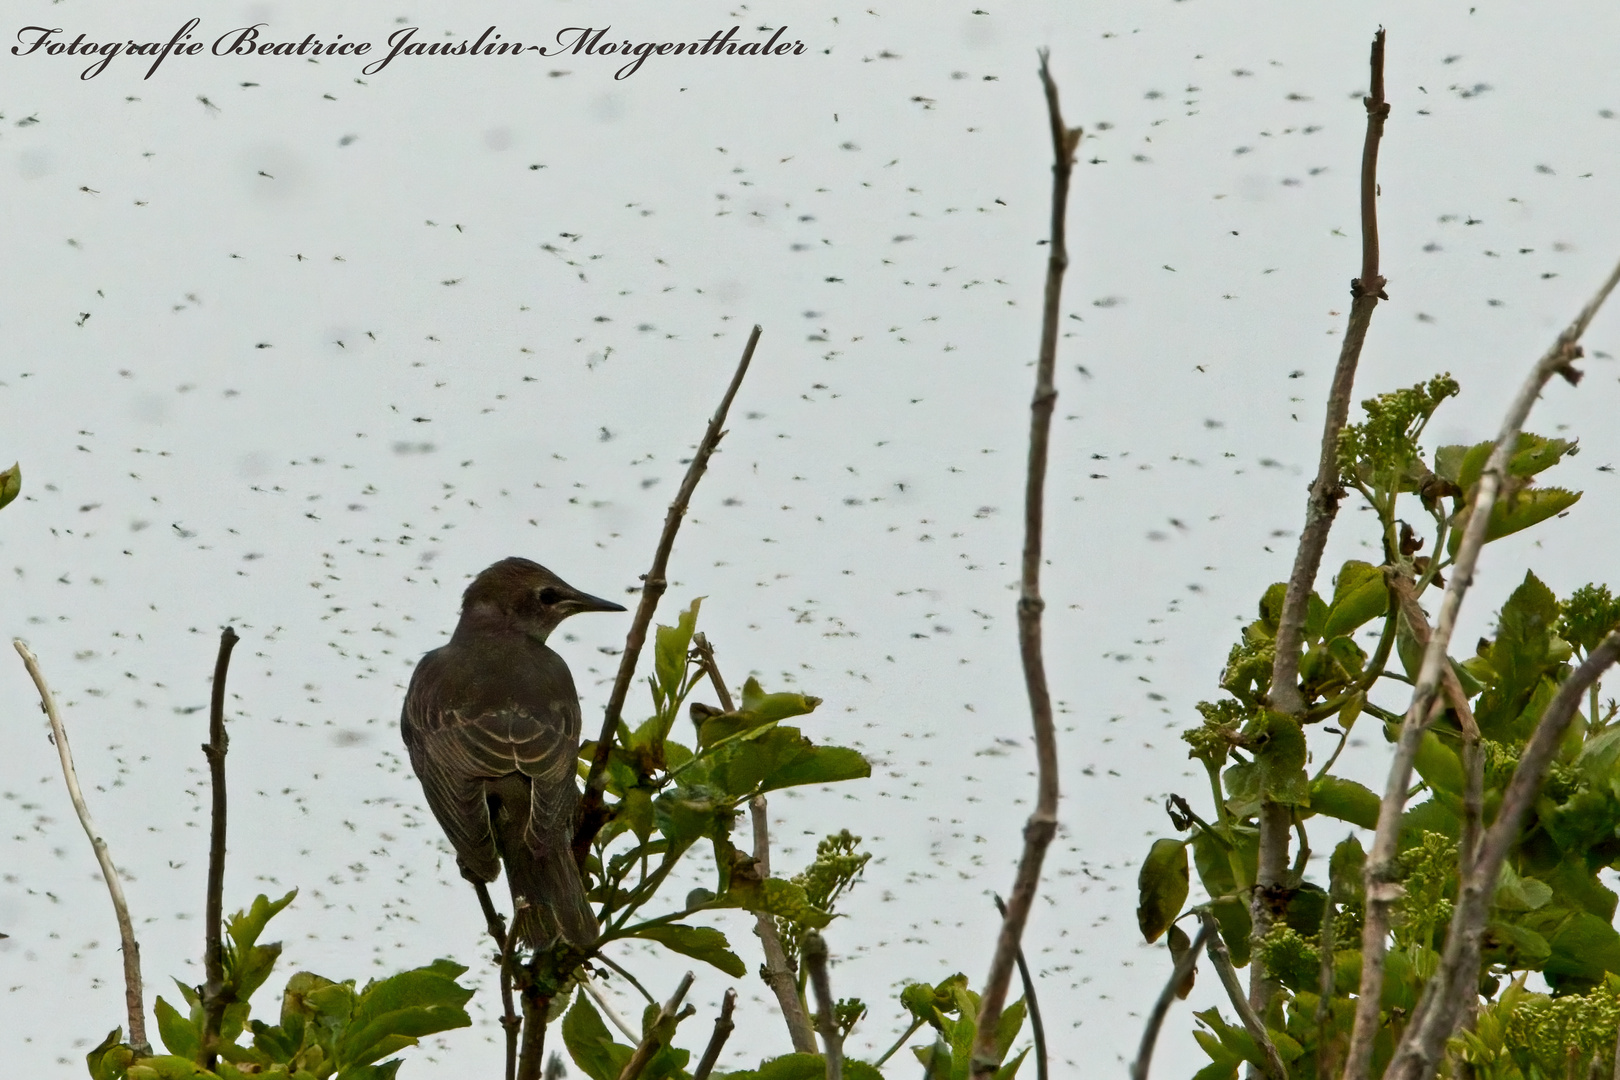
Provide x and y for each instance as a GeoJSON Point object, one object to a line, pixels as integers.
{"type": "Point", "coordinates": [898, 1043]}
{"type": "Point", "coordinates": [109, 873]}
{"type": "Point", "coordinates": [1325, 981]}
{"type": "Point", "coordinates": [723, 1026]}
{"type": "Point", "coordinates": [815, 958]}
{"type": "Point", "coordinates": [495, 924]}
{"type": "Point", "coordinates": [1037, 1027]}
{"type": "Point", "coordinates": [652, 1041]}
{"type": "Point", "coordinates": [1382, 890]}
{"type": "Point", "coordinates": [1042, 824]}
{"type": "Point", "coordinates": [1456, 981]}
{"type": "Point", "coordinates": [1221, 960]}
{"type": "Point", "coordinates": [214, 906]}
{"type": "Point", "coordinates": [591, 814]}
{"type": "Point", "coordinates": [1178, 976]}
{"type": "Point", "coordinates": [612, 1014]}
{"type": "Point", "coordinates": [1321, 507]}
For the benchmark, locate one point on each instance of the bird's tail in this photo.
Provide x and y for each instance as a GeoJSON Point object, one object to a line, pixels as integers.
{"type": "Point", "coordinates": [547, 881]}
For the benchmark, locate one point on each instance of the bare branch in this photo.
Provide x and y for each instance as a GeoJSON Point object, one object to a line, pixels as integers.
{"type": "Point", "coordinates": [214, 905]}
{"type": "Point", "coordinates": [815, 958]}
{"type": "Point", "coordinates": [1559, 359]}
{"type": "Point", "coordinates": [1042, 824]}
{"type": "Point", "coordinates": [652, 1040]}
{"type": "Point", "coordinates": [723, 1026]}
{"type": "Point", "coordinates": [1221, 960]}
{"type": "Point", "coordinates": [109, 873]}
{"type": "Point", "coordinates": [1321, 507]}
{"type": "Point", "coordinates": [1456, 981]}
{"type": "Point", "coordinates": [532, 1052]}
{"type": "Point", "coordinates": [591, 815]}
{"type": "Point", "coordinates": [1178, 976]}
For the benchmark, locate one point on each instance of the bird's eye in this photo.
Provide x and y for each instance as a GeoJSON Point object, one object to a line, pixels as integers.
{"type": "Point", "coordinates": [548, 595]}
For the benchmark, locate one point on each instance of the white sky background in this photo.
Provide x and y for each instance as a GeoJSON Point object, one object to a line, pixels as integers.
{"type": "Point", "coordinates": [221, 323]}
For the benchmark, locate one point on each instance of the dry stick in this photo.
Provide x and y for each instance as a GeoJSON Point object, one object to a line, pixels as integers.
{"type": "Point", "coordinates": [1382, 890]}
{"type": "Point", "coordinates": [214, 906]}
{"type": "Point", "coordinates": [1456, 980]}
{"type": "Point", "coordinates": [1321, 506]}
{"type": "Point", "coordinates": [1037, 1027]}
{"type": "Point", "coordinates": [815, 958]}
{"type": "Point", "coordinates": [1150, 1034]}
{"type": "Point", "coordinates": [776, 973]}
{"type": "Point", "coordinates": [650, 1042]}
{"type": "Point", "coordinates": [1042, 824]}
{"type": "Point", "coordinates": [591, 815]}
{"type": "Point", "coordinates": [1221, 960]}
{"type": "Point", "coordinates": [109, 873]}
{"type": "Point", "coordinates": [722, 1031]}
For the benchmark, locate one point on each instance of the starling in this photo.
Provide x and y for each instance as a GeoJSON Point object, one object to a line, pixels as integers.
{"type": "Point", "coordinates": [492, 722]}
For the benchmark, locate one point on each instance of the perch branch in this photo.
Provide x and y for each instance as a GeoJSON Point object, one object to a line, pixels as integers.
{"type": "Point", "coordinates": [1321, 507]}
{"type": "Point", "coordinates": [652, 1040]}
{"type": "Point", "coordinates": [607, 1008]}
{"type": "Point", "coordinates": [1178, 976]}
{"type": "Point", "coordinates": [1042, 824]}
{"type": "Point", "coordinates": [1559, 359]}
{"type": "Point", "coordinates": [214, 905]}
{"type": "Point", "coordinates": [591, 814]}
{"type": "Point", "coordinates": [815, 958]}
{"type": "Point", "coordinates": [109, 873]}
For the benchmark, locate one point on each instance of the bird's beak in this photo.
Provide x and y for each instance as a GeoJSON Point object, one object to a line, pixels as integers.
{"type": "Point", "coordinates": [587, 602]}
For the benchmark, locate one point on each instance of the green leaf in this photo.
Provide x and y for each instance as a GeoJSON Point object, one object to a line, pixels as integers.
{"type": "Point", "coordinates": [245, 927]}
{"type": "Point", "coordinates": [700, 943]}
{"type": "Point", "coordinates": [1278, 743]}
{"type": "Point", "coordinates": [1534, 453]}
{"type": "Point", "coordinates": [109, 1060]}
{"type": "Point", "coordinates": [1585, 947]}
{"type": "Point", "coordinates": [1516, 512]}
{"type": "Point", "coordinates": [1012, 1021]}
{"type": "Point", "coordinates": [782, 757]}
{"type": "Point", "coordinates": [1359, 594]}
{"type": "Point", "coordinates": [1438, 764]}
{"type": "Point", "coordinates": [590, 1044]}
{"type": "Point", "coordinates": [1346, 800]}
{"type": "Point", "coordinates": [670, 649]}
{"type": "Point", "coordinates": [1520, 656]}
{"type": "Point", "coordinates": [1515, 893]}
{"type": "Point", "coordinates": [178, 1033]}
{"type": "Point", "coordinates": [10, 484]}
{"type": "Point", "coordinates": [767, 707]}
{"type": "Point", "coordinates": [1161, 887]}
{"type": "Point", "coordinates": [395, 1012]}
{"type": "Point", "coordinates": [1346, 868]}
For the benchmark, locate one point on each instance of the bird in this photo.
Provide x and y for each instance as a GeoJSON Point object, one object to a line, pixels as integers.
{"type": "Point", "coordinates": [492, 723]}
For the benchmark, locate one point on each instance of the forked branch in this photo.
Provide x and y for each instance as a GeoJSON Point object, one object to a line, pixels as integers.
{"type": "Point", "coordinates": [1559, 359]}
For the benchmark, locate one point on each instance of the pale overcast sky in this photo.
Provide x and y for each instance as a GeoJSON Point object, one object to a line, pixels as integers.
{"type": "Point", "coordinates": [300, 349]}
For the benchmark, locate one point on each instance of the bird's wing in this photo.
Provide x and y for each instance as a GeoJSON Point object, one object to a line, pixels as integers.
{"type": "Point", "coordinates": [459, 742]}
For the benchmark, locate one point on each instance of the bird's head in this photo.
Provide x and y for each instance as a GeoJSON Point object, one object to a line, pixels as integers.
{"type": "Point", "coordinates": [527, 597]}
